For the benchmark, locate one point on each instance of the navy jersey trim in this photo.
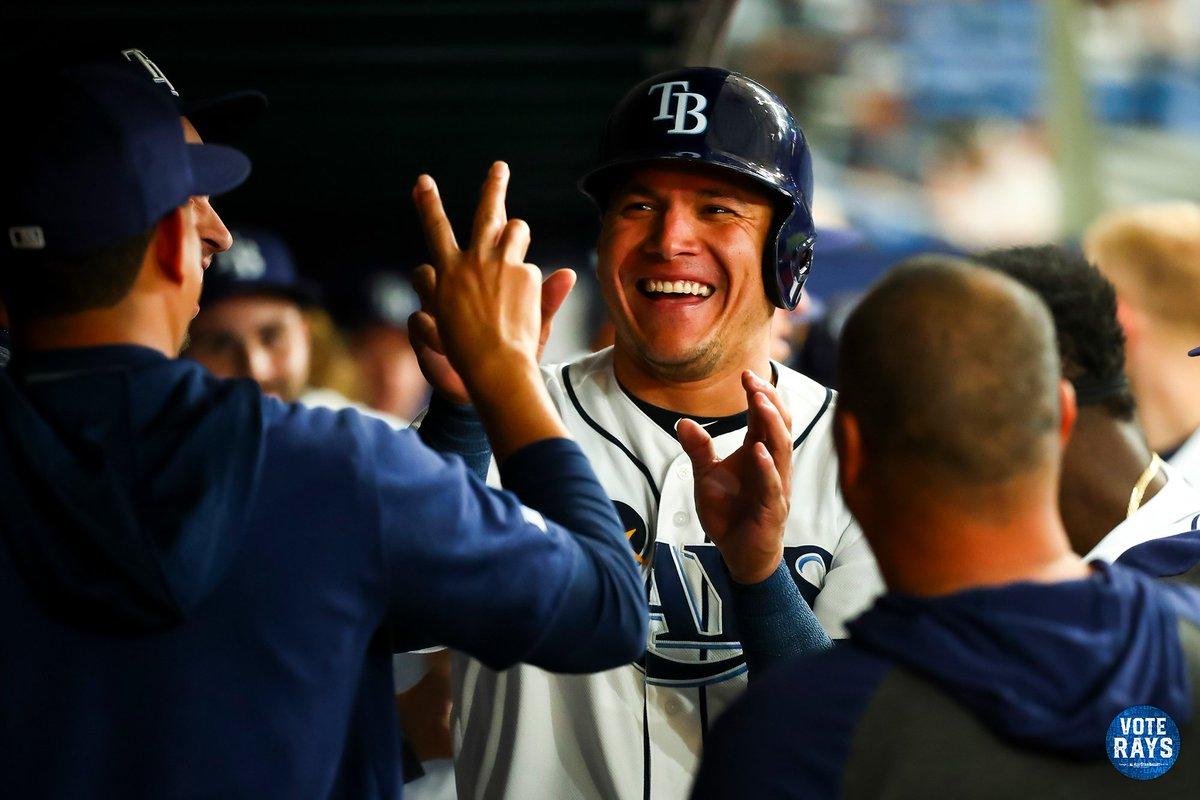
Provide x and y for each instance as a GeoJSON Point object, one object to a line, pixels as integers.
{"type": "Point", "coordinates": [566, 376]}
{"type": "Point", "coordinates": [824, 407]}
{"type": "Point", "coordinates": [645, 743]}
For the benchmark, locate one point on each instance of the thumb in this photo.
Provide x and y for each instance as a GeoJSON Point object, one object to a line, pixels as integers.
{"type": "Point", "coordinates": [554, 292]}
{"type": "Point", "coordinates": [423, 333]}
{"type": "Point", "coordinates": [424, 282]}
{"type": "Point", "coordinates": [697, 444]}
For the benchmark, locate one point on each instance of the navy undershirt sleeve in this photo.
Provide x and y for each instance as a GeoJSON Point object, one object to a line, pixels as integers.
{"type": "Point", "coordinates": [774, 621]}
{"type": "Point", "coordinates": [455, 428]}
{"type": "Point", "coordinates": [554, 477]}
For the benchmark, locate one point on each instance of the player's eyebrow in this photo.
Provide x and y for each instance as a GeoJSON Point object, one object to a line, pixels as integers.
{"type": "Point", "coordinates": [724, 193]}
{"type": "Point", "coordinates": [634, 188]}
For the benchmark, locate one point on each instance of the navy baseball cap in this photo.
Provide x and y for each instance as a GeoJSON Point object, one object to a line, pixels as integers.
{"type": "Point", "coordinates": [258, 263]}
{"type": "Point", "coordinates": [224, 118]}
{"type": "Point", "coordinates": [383, 297]}
{"type": "Point", "coordinates": [95, 156]}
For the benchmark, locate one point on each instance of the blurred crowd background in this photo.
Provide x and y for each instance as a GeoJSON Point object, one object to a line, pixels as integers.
{"type": "Point", "coordinates": [944, 125]}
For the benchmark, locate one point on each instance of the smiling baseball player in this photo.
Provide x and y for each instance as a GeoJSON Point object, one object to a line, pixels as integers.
{"type": "Point", "coordinates": [705, 186]}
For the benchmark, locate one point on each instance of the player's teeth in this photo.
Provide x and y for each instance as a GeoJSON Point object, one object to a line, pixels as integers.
{"type": "Point", "coordinates": [677, 287]}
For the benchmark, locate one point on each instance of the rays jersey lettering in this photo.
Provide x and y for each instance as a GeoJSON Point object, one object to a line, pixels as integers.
{"type": "Point", "coordinates": [694, 639]}
{"type": "Point", "coordinates": [637, 731]}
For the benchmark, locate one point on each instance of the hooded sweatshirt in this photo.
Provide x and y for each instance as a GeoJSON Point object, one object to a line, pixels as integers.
{"type": "Point", "coordinates": [201, 588]}
{"type": "Point", "coordinates": [993, 692]}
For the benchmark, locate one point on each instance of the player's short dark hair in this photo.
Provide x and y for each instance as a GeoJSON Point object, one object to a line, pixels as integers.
{"type": "Point", "coordinates": [36, 286]}
{"type": "Point", "coordinates": [952, 366]}
{"type": "Point", "coordinates": [1083, 303]}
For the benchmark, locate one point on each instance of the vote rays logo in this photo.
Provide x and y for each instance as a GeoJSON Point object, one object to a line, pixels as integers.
{"type": "Point", "coordinates": [1143, 742]}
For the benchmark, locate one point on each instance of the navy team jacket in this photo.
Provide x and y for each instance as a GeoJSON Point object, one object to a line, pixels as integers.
{"type": "Point", "coordinates": [991, 693]}
{"type": "Point", "coordinates": [201, 588]}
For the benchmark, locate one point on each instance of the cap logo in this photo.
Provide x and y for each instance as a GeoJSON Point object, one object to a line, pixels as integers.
{"type": "Point", "coordinates": [244, 259]}
{"type": "Point", "coordinates": [682, 107]}
{"type": "Point", "coordinates": [392, 299]}
{"type": "Point", "coordinates": [156, 74]}
{"type": "Point", "coordinates": [27, 237]}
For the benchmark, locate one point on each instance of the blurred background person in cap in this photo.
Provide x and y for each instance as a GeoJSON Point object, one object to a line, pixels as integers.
{"type": "Point", "coordinates": [1151, 254]}
{"type": "Point", "coordinates": [260, 319]}
{"type": "Point", "coordinates": [374, 316]}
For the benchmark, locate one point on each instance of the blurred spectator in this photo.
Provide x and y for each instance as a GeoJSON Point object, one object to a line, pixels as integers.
{"type": "Point", "coordinates": [1152, 256]}
{"type": "Point", "coordinates": [974, 184]}
{"type": "Point", "coordinates": [817, 356]}
{"type": "Point", "coordinates": [375, 318]}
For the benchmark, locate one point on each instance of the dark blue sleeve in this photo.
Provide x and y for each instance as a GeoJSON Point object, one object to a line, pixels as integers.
{"type": "Point", "coordinates": [541, 574]}
{"type": "Point", "coordinates": [453, 428]}
{"type": "Point", "coordinates": [789, 735]}
{"type": "Point", "coordinates": [1165, 557]}
{"type": "Point", "coordinates": [774, 621]}
{"type": "Point", "coordinates": [554, 477]}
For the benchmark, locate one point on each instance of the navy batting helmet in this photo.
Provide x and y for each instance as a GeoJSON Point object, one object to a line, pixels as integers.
{"type": "Point", "coordinates": [713, 116]}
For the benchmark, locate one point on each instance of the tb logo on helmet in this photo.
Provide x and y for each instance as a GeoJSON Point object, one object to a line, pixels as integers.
{"type": "Point", "coordinates": [683, 112]}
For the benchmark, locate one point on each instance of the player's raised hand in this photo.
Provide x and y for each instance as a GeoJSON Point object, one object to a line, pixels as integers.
{"type": "Point", "coordinates": [743, 499]}
{"type": "Point", "coordinates": [488, 241]}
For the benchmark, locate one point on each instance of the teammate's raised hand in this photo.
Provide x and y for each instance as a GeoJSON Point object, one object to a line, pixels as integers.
{"type": "Point", "coordinates": [493, 236]}
{"type": "Point", "coordinates": [483, 321]}
{"type": "Point", "coordinates": [743, 499]}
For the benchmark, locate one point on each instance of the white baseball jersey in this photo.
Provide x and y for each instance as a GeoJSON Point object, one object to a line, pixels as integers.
{"type": "Point", "coordinates": [1187, 458]}
{"type": "Point", "coordinates": [1175, 508]}
{"type": "Point", "coordinates": [637, 731]}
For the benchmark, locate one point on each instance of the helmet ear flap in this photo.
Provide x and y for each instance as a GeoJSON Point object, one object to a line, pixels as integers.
{"type": "Point", "coordinates": [786, 265]}
{"type": "Point", "coordinates": [785, 270]}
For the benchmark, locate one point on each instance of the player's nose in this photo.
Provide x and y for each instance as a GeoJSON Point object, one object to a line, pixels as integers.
{"type": "Point", "coordinates": [674, 233]}
{"type": "Point", "coordinates": [260, 366]}
{"type": "Point", "coordinates": [213, 233]}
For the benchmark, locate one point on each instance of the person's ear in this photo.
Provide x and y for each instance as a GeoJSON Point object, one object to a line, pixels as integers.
{"type": "Point", "coordinates": [1067, 411]}
{"type": "Point", "coordinates": [847, 438]}
{"type": "Point", "coordinates": [1130, 320]}
{"type": "Point", "coordinates": [171, 244]}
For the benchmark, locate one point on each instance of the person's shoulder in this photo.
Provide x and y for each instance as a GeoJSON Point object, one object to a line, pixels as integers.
{"type": "Point", "coordinates": [790, 734]}
{"type": "Point", "coordinates": [823, 681]}
{"type": "Point", "coordinates": [584, 380]}
{"type": "Point", "coordinates": [333, 434]}
{"type": "Point", "coordinates": [329, 398]}
{"type": "Point", "coordinates": [810, 403]}
{"type": "Point", "coordinates": [580, 370]}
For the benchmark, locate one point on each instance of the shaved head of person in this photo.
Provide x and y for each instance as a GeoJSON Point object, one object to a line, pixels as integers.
{"type": "Point", "coordinates": [951, 425]}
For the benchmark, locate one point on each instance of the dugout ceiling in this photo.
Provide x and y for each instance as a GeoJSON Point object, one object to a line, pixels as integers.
{"type": "Point", "coordinates": [364, 96]}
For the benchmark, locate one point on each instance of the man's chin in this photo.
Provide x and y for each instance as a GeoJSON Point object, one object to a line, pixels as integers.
{"type": "Point", "coordinates": [677, 360]}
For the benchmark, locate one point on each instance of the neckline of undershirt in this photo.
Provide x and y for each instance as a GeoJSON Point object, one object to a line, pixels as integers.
{"type": "Point", "coordinates": [667, 419]}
